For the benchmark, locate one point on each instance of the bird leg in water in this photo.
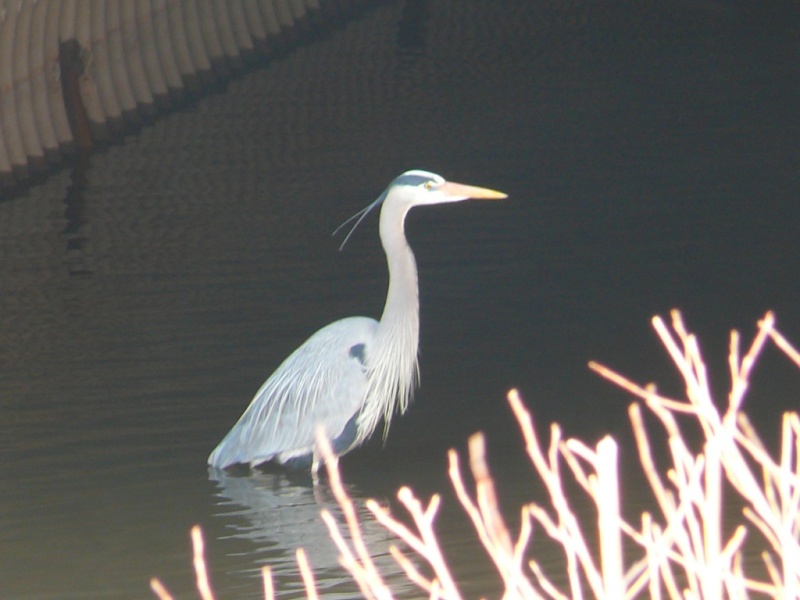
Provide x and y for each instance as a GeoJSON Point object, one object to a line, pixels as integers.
{"type": "Point", "coordinates": [322, 453]}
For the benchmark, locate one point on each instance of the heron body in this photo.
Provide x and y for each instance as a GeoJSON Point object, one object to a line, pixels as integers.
{"type": "Point", "coordinates": [355, 372]}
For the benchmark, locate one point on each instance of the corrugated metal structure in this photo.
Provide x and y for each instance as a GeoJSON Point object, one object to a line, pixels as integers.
{"type": "Point", "coordinates": [74, 73]}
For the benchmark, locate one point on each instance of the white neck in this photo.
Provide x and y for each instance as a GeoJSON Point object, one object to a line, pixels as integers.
{"type": "Point", "coordinates": [392, 357]}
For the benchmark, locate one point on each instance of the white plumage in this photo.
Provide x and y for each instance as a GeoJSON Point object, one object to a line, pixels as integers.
{"type": "Point", "coordinates": [355, 372]}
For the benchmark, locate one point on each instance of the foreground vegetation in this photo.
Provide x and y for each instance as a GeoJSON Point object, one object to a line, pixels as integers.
{"type": "Point", "coordinates": [681, 549]}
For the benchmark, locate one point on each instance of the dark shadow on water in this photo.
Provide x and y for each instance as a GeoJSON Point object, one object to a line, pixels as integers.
{"type": "Point", "coordinates": [75, 230]}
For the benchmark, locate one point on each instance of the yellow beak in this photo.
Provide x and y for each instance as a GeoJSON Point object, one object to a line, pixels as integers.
{"type": "Point", "coordinates": [450, 188]}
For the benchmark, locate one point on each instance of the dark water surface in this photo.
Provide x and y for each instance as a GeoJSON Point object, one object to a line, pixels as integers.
{"type": "Point", "coordinates": [650, 151]}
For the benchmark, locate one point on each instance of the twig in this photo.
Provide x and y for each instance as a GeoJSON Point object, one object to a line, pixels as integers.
{"type": "Point", "coordinates": [307, 574]}
{"type": "Point", "coordinates": [203, 585]}
{"type": "Point", "coordinates": [159, 589]}
{"type": "Point", "coordinates": [269, 587]}
{"type": "Point", "coordinates": [488, 521]}
{"type": "Point", "coordinates": [358, 563]}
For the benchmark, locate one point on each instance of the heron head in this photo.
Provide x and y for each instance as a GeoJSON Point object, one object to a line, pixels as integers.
{"type": "Point", "coordinates": [422, 187]}
{"type": "Point", "coordinates": [418, 187]}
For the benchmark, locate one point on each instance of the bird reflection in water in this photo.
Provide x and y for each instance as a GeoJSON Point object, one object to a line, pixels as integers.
{"type": "Point", "coordinates": [267, 516]}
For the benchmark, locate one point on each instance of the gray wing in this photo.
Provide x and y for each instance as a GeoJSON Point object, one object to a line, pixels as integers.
{"type": "Point", "coordinates": [323, 382]}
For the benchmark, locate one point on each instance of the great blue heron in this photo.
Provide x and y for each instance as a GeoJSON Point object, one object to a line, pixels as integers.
{"type": "Point", "coordinates": [353, 372]}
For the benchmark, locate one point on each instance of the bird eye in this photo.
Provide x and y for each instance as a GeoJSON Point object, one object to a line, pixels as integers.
{"type": "Point", "coordinates": [428, 185]}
